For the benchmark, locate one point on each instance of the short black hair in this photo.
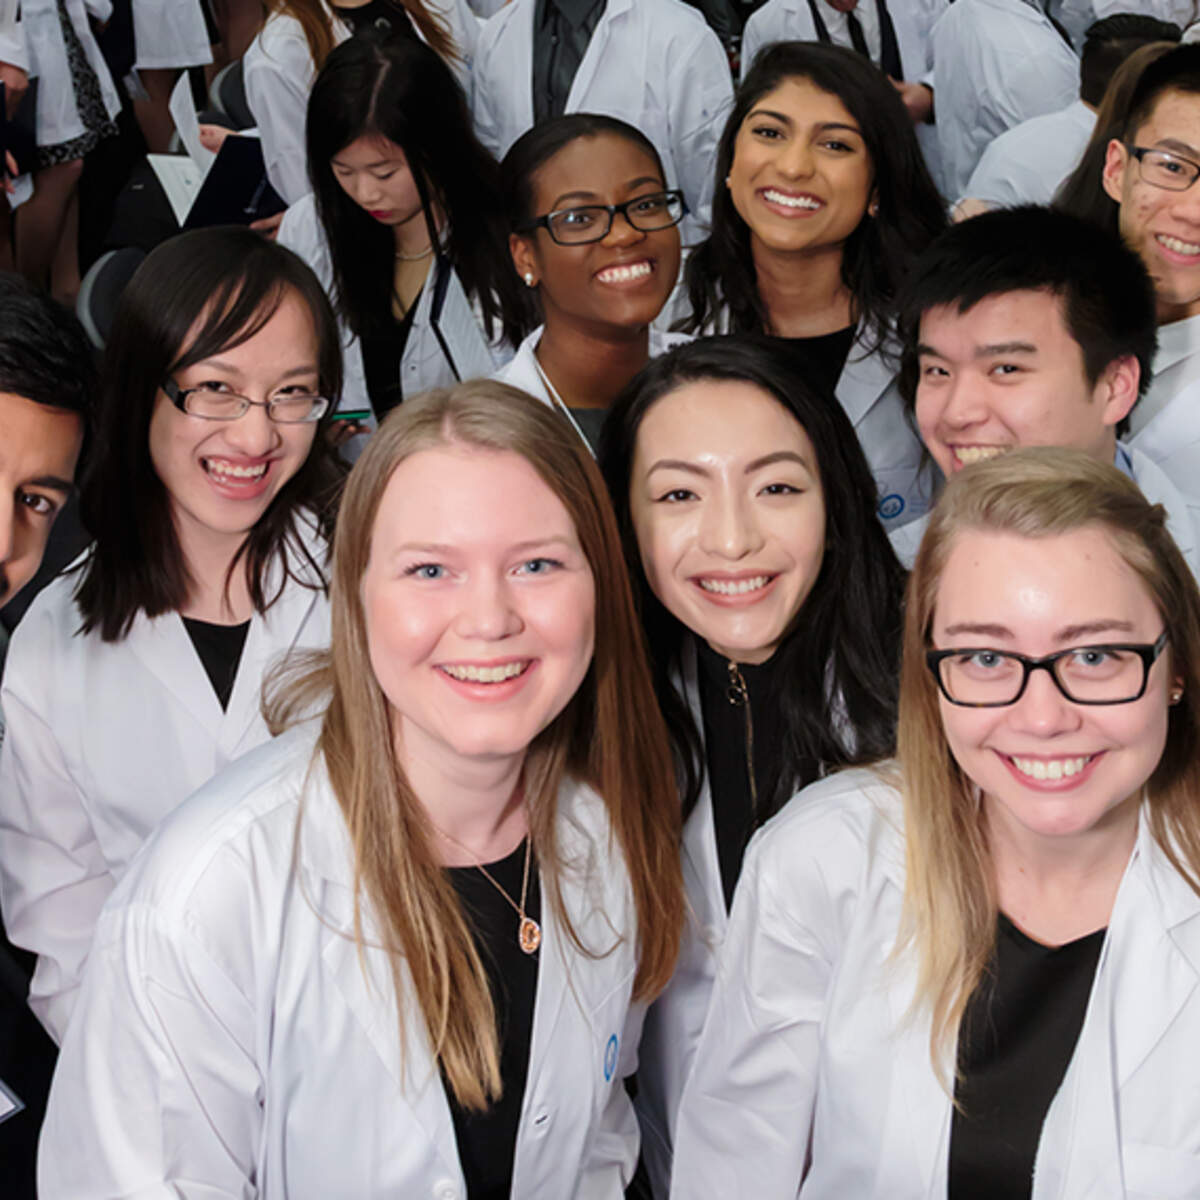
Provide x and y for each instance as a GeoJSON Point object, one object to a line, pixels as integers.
{"type": "Point", "coordinates": [1107, 295]}
{"type": "Point", "coordinates": [1108, 43]}
{"type": "Point", "coordinates": [44, 354]}
{"type": "Point", "coordinates": [1177, 71]}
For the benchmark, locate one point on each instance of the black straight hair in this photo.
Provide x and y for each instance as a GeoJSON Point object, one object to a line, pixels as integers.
{"type": "Point", "coordinates": [720, 273]}
{"type": "Point", "coordinates": [840, 659]}
{"type": "Point", "coordinates": [1108, 43]}
{"type": "Point", "coordinates": [399, 89]}
{"type": "Point", "coordinates": [537, 146]}
{"type": "Point", "coordinates": [194, 296]}
{"type": "Point", "coordinates": [44, 354]}
{"type": "Point", "coordinates": [1106, 293]}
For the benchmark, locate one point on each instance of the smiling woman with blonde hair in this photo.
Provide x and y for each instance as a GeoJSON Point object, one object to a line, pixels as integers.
{"type": "Point", "coordinates": [456, 889]}
{"type": "Point", "coordinates": [976, 975]}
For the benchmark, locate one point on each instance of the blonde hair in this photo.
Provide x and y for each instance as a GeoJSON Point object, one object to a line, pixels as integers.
{"type": "Point", "coordinates": [950, 902]}
{"type": "Point", "coordinates": [609, 736]}
{"type": "Point", "coordinates": [317, 24]}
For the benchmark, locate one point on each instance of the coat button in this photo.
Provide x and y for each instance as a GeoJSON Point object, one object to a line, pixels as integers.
{"type": "Point", "coordinates": [445, 1189]}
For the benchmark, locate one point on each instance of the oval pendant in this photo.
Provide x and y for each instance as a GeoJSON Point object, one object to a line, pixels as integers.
{"type": "Point", "coordinates": [529, 935]}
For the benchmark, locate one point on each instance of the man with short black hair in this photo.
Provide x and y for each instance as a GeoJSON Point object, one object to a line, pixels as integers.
{"type": "Point", "coordinates": [1028, 327]}
{"type": "Point", "coordinates": [47, 387]}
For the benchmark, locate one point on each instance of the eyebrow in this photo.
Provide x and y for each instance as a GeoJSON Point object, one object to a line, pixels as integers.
{"type": "Point", "coordinates": [1177, 147]}
{"type": "Point", "coordinates": [992, 350]}
{"type": "Point", "coordinates": [786, 120]}
{"type": "Point", "coordinates": [595, 197]}
{"type": "Point", "coordinates": [679, 464]}
{"type": "Point", "coordinates": [54, 482]}
{"type": "Point", "coordinates": [371, 166]}
{"type": "Point", "coordinates": [1069, 633]}
{"type": "Point", "coordinates": [230, 369]}
{"type": "Point", "coordinates": [447, 548]}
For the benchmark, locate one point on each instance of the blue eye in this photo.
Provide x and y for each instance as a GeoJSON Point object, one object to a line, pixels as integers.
{"type": "Point", "coordinates": [540, 566]}
{"type": "Point", "coordinates": [426, 571]}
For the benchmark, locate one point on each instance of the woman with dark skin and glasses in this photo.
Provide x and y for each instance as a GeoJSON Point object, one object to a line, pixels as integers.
{"type": "Point", "coordinates": [595, 236]}
{"type": "Point", "coordinates": [135, 677]}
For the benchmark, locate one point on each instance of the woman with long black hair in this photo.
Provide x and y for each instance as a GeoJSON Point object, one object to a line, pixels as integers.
{"type": "Point", "coordinates": [404, 225]}
{"type": "Point", "coordinates": [822, 202]}
{"type": "Point", "coordinates": [747, 512]}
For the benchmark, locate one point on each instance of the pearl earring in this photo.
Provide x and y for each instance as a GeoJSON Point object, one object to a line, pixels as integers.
{"type": "Point", "coordinates": [1176, 695]}
{"type": "Point", "coordinates": [528, 277]}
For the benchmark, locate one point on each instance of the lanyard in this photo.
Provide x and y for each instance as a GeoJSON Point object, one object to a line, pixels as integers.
{"type": "Point", "coordinates": [889, 46]}
{"type": "Point", "coordinates": [556, 401]}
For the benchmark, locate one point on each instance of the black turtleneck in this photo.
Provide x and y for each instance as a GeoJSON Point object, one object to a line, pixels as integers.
{"type": "Point", "coordinates": [742, 726]}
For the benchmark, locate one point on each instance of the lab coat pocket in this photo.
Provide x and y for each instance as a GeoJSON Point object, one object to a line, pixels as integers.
{"type": "Point", "coordinates": [1160, 1173]}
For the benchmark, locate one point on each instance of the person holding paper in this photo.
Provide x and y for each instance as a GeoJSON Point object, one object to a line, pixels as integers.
{"type": "Point", "coordinates": [404, 225]}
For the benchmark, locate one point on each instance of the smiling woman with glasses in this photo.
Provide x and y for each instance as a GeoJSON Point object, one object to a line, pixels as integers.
{"type": "Point", "coordinates": [595, 236]}
{"type": "Point", "coordinates": [973, 973]}
{"type": "Point", "coordinates": [133, 678]}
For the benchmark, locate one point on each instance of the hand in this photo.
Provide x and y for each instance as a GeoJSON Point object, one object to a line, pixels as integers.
{"type": "Point", "coordinates": [268, 226]}
{"type": "Point", "coordinates": [967, 208]}
{"type": "Point", "coordinates": [212, 137]}
{"type": "Point", "coordinates": [16, 84]}
{"type": "Point", "coordinates": [338, 433]}
{"type": "Point", "coordinates": [918, 100]}
{"type": "Point", "coordinates": [10, 175]}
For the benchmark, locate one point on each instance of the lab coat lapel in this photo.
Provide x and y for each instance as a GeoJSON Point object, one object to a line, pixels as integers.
{"type": "Point", "coordinates": [615, 11]}
{"type": "Point", "coordinates": [363, 977]}
{"type": "Point", "coordinates": [518, 51]}
{"type": "Point", "coordinates": [165, 650]}
{"type": "Point", "coordinates": [864, 378]}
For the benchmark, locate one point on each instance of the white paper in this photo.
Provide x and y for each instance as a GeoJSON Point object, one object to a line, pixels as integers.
{"type": "Point", "coordinates": [180, 179]}
{"type": "Point", "coordinates": [183, 113]}
{"type": "Point", "coordinates": [9, 1104]}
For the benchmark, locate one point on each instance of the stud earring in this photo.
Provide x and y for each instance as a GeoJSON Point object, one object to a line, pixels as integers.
{"type": "Point", "coordinates": [528, 277]}
{"type": "Point", "coordinates": [873, 211]}
{"type": "Point", "coordinates": [1176, 695]}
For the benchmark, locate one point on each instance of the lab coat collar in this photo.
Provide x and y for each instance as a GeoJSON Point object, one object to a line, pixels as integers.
{"type": "Point", "coordinates": [865, 377]}
{"type": "Point", "coordinates": [163, 645]}
{"type": "Point", "coordinates": [1176, 341]}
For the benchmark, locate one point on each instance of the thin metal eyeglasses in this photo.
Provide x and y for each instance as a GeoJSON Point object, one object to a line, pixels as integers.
{"type": "Point", "coordinates": [211, 405]}
{"type": "Point", "coordinates": [592, 222]}
{"type": "Point", "coordinates": [1164, 169]}
{"type": "Point", "coordinates": [1112, 673]}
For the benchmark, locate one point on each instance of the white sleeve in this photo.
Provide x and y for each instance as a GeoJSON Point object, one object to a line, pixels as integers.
{"type": "Point", "coordinates": [157, 1091]}
{"type": "Point", "coordinates": [700, 95]}
{"type": "Point", "coordinates": [54, 879]}
{"type": "Point", "coordinates": [746, 1113]}
{"type": "Point", "coordinates": [12, 36]}
{"type": "Point", "coordinates": [487, 123]}
{"type": "Point", "coordinates": [752, 43]}
{"type": "Point", "coordinates": [277, 92]}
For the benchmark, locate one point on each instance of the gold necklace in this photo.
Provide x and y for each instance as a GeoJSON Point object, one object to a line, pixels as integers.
{"type": "Point", "coordinates": [529, 932]}
{"type": "Point", "coordinates": [415, 257]}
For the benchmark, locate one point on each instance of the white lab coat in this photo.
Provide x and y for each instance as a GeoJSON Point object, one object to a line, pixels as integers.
{"type": "Point", "coordinates": [278, 74]}
{"type": "Point", "coordinates": [170, 33]}
{"type": "Point", "coordinates": [810, 1067]}
{"type": "Point", "coordinates": [1183, 515]}
{"type": "Point", "coordinates": [423, 364]}
{"type": "Point", "coordinates": [996, 63]}
{"type": "Point", "coordinates": [791, 20]}
{"type": "Point", "coordinates": [104, 739]}
{"type": "Point", "coordinates": [1165, 423]}
{"type": "Point", "coordinates": [1029, 163]}
{"type": "Point", "coordinates": [232, 1040]}
{"type": "Point", "coordinates": [653, 63]}
{"type": "Point", "coordinates": [57, 116]}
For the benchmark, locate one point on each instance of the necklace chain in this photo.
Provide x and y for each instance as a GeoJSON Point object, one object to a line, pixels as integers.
{"type": "Point", "coordinates": [415, 257]}
{"type": "Point", "coordinates": [529, 932]}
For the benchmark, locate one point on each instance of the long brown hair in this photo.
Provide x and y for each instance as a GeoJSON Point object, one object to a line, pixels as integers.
{"type": "Point", "coordinates": [317, 24]}
{"type": "Point", "coordinates": [610, 736]}
{"type": "Point", "coordinates": [950, 899]}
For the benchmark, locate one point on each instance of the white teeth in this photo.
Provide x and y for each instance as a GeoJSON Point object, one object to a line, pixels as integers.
{"type": "Point", "coordinates": [1173, 243]}
{"type": "Point", "coordinates": [790, 201]}
{"type": "Point", "coordinates": [974, 454]}
{"type": "Point", "coordinates": [469, 674]}
{"type": "Point", "coordinates": [1055, 768]}
{"type": "Point", "coordinates": [727, 587]}
{"type": "Point", "coordinates": [229, 471]}
{"type": "Point", "coordinates": [637, 270]}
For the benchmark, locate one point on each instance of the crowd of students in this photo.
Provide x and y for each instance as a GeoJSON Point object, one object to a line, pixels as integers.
{"type": "Point", "coordinates": [642, 640]}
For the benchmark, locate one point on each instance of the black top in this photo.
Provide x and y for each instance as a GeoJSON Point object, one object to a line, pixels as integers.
{"type": "Point", "coordinates": [487, 1141]}
{"type": "Point", "coordinates": [382, 352]}
{"type": "Point", "coordinates": [562, 31]}
{"type": "Point", "coordinates": [1014, 1046]}
{"type": "Point", "coordinates": [820, 359]}
{"type": "Point", "coordinates": [385, 15]}
{"type": "Point", "coordinates": [220, 649]}
{"type": "Point", "coordinates": [734, 722]}
{"type": "Point", "coordinates": [590, 422]}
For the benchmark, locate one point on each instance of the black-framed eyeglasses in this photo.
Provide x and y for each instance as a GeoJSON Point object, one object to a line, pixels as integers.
{"type": "Point", "coordinates": [1164, 169]}
{"type": "Point", "coordinates": [210, 404]}
{"type": "Point", "coordinates": [1105, 674]}
{"type": "Point", "coordinates": [591, 222]}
